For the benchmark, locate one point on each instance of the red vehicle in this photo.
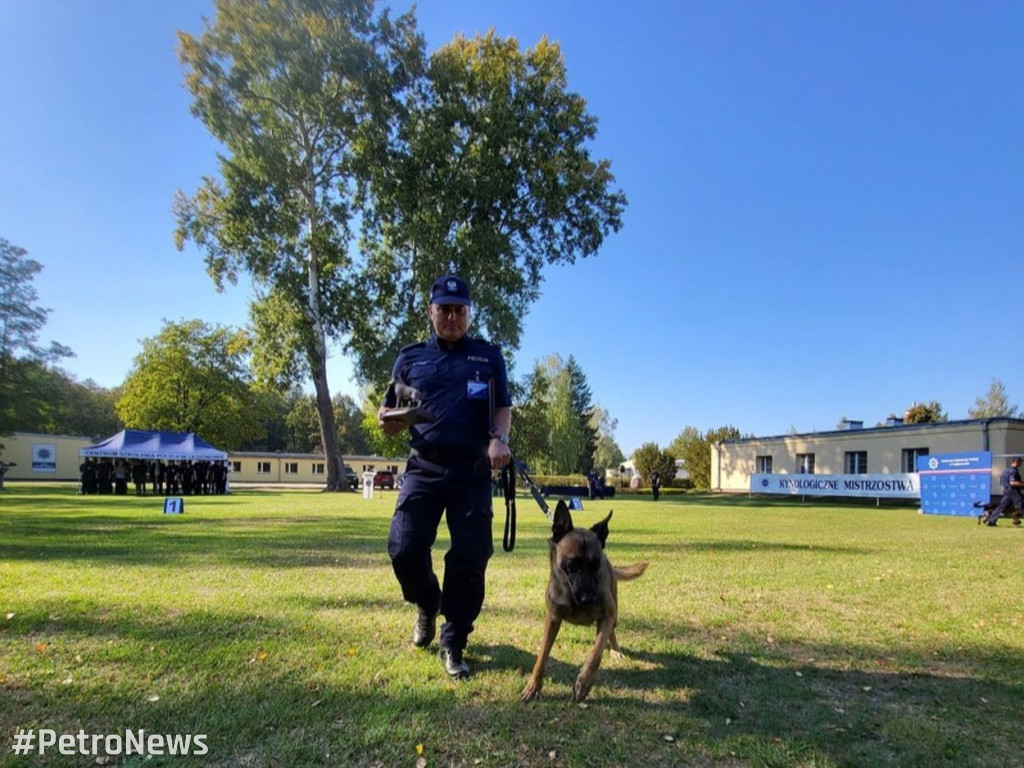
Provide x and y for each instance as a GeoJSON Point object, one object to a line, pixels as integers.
{"type": "Point", "coordinates": [384, 479]}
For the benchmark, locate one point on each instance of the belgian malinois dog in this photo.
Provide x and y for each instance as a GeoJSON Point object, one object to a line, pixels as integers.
{"type": "Point", "coordinates": [582, 589]}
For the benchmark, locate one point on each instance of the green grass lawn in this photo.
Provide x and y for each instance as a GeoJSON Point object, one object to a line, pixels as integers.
{"type": "Point", "coordinates": [764, 633]}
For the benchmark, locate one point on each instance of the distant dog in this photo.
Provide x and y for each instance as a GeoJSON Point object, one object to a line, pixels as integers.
{"type": "Point", "coordinates": [986, 510]}
{"type": "Point", "coordinates": [582, 589]}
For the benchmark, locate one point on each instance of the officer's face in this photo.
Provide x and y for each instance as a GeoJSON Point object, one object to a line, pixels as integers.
{"type": "Point", "coordinates": [450, 321]}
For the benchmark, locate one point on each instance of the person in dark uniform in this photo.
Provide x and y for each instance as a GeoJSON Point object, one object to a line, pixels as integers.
{"type": "Point", "coordinates": [139, 476]}
{"type": "Point", "coordinates": [655, 484]}
{"type": "Point", "coordinates": [1013, 494]}
{"type": "Point", "coordinates": [88, 470]}
{"type": "Point", "coordinates": [461, 385]}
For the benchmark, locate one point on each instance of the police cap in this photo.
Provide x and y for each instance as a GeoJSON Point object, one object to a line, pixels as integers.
{"type": "Point", "coordinates": [450, 289]}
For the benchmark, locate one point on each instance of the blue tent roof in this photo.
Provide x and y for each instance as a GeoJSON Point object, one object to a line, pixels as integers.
{"type": "Point", "coordinates": [154, 444]}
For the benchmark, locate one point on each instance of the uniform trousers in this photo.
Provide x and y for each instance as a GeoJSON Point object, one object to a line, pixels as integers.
{"type": "Point", "coordinates": [1012, 499]}
{"type": "Point", "coordinates": [461, 490]}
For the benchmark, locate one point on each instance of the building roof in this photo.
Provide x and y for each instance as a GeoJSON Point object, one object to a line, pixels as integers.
{"type": "Point", "coordinates": [883, 428]}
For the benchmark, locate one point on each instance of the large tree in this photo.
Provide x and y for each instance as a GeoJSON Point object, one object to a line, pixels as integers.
{"type": "Point", "coordinates": [694, 449]}
{"type": "Point", "coordinates": [553, 429]}
{"type": "Point", "coordinates": [531, 427]}
{"type": "Point", "coordinates": [476, 160]}
{"type": "Point", "coordinates": [607, 453]}
{"type": "Point", "coordinates": [193, 377]}
{"type": "Point", "coordinates": [23, 358]}
{"type": "Point", "coordinates": [292, 89]}
{"type": "Point", "coordinates": [490, 175]}
{"type": "Point", "coordinates": [650, 458]}
{"type": "Point", "coordinates": [994, 404]}
{"type": "Point", "coordinates": [581, 401]}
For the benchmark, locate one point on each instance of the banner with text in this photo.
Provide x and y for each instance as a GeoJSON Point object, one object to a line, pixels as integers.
{"type": "Point", "coordinates": [902, 486]}
{"type": "Point", "coordinates": [952, 482]}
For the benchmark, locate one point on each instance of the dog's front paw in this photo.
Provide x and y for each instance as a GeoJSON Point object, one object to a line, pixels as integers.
{"type": "Point", "coordinates": [531, 691]}
{"type": "Point", "coordinates": [582, 688]}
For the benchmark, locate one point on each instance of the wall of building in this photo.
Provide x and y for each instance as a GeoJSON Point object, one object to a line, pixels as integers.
{"type": "Point", "coordinates": [271, 467]}
{"type": "Point", "coordinates": [20, 448]}
{"type": "Point", "coordinates": [733, 462]}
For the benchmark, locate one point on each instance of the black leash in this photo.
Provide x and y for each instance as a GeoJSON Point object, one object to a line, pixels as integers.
{"type": "Point", "coordinates": [508, 488]}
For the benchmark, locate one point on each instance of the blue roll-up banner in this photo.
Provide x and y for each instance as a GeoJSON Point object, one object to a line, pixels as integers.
{"type": "Point", "coordinates": [952, 482]}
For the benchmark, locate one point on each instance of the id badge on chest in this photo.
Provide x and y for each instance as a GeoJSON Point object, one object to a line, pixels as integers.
{"type": "Point", "coordinates": [478, 390]}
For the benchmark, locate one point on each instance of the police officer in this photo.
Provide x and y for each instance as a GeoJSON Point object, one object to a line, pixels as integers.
{"type": "Point", "coordinates": [1012, 494]}
{"type": "Point", "coordinates": [462, 434]}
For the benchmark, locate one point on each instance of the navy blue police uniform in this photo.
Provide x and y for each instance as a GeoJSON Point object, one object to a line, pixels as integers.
{"type": "Point", "coordinates": [1012, 497]}
{"type": "Point", "coordinates": [459, 385]}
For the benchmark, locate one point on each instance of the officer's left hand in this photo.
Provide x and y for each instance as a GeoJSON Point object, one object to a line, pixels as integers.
{"type": "Point", "coordinates": [498, 454]}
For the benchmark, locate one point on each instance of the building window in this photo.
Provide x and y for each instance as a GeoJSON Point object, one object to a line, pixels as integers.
{"type": "Point", "coordinates": [910, 456]}
{"type": "Point", "coordinates": [236, 466]}
{"type": "Point", "coordinates": [856, 462]}
{"type": "Point", "coordinates": [262, 467]}
{"type": "Point", "coordinates": [764, 465]}
{"type": "Point", "coordinates": [805, 463]}
{"type": "Point", "coordinates": [291, 467]}
{"type": "Point", "coordinates": [318, 468]}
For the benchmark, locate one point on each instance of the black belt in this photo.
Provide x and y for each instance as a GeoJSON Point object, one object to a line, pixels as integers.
{"type": "Point", "coordinates": [447, 455]}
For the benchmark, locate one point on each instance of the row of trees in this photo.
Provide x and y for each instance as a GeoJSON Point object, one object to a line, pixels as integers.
{"type": "Point", "coordinates": [197, 377]}
{"type": "Point", "coordinates": [200, 378]}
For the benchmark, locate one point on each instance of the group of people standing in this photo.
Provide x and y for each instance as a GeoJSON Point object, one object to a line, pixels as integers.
{"type": "Point", "coordinates": [172, 478]}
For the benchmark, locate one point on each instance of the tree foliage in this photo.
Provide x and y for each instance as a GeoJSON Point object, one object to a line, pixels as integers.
{"type": "Point", "coordinates": [379, 443]}
{"type": "Point", "coordinates": [607, 453]}
{"type": "Point", "coordinates": [694, 448]}
{"type": "Point", "coordinates": [192, 377]}
{"type": "Point", "coordinates": [649, 458]}
{"type": "Point", "coordinates": [23, 358]}
{"type": "Point", "coordinates": [925, 413]}
{"type": "Point", "coordinates": [552, 429]}
{"type": "Point", "coordinates": [531, 423]}
{"type": "Point", "coordinates": [489, 175]}
{"type": "Point", "coordinates": [994, 404]}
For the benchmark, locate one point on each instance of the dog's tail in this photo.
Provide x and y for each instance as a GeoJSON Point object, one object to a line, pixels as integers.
{"type": "Point", "coordinates": [630, 572]}
{"type": "Point", "coordinates": [987, 505]}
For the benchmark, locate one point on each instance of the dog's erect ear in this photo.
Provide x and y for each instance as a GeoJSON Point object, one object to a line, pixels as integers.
{"type": "Point", "coordinates": [601, 529]}
{"type": "Point", "coordinates": [562, 523]}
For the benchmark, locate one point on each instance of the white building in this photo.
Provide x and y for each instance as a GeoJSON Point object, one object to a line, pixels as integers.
{"type": "Point", "coordinates": [891, 449]}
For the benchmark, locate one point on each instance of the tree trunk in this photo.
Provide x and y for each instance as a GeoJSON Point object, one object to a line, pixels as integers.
{"type": "Point", "coordinates": [328, 430]}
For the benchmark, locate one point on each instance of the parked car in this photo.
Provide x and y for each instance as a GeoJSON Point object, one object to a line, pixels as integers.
{"type": "Point", "coordinates": [384, 479]}
{"type": "Point", "coordinates": [351, 478]}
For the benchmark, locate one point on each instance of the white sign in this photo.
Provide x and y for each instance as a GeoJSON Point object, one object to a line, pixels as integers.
{"type": "Point", "coordinates": [44, 457]}
{"type": "Point", "coordinates": [901, 486]}
{"type": "Point", "coordinates": [174, 506]}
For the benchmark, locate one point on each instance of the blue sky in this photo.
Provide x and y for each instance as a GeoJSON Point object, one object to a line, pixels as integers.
{"type": "Point", "coordinates": [825, 198]}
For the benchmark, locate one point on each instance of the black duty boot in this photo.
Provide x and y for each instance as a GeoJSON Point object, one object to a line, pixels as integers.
{"type": "Point", "coordinates": [425, 628]}
{"type": "Point", "coordinates": [454, 664]}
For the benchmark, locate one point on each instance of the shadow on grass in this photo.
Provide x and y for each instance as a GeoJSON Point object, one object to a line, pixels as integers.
{"type": "Point", "coordinates": [168, 540]}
